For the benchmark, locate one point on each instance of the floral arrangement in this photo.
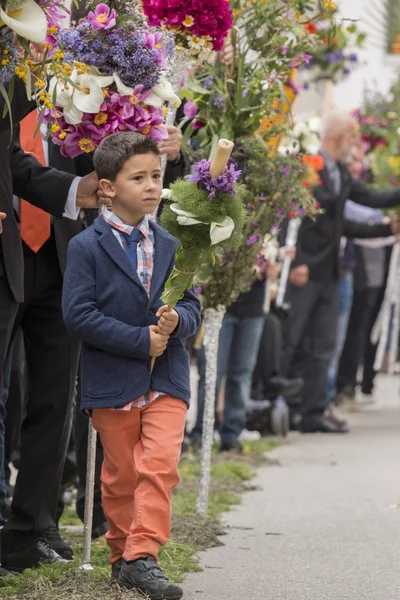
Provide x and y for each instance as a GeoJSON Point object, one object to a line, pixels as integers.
{"type": "Point", "coordinates": [112, 80]}
{"type": "Point", "coordinates": [377, 118]}
{"type": "Point", "coordinates": [205, 211]}
{"type": "Point", "coordinates": [22, 22]}
{"type": "Point", "coordinates": [199, 27]}
{"type": "Point", "coordinates": [274, 191]}
{"type": "Point", "coordinates": [333, 57]}
{"type": "Point", "coordinates": [232, 102]}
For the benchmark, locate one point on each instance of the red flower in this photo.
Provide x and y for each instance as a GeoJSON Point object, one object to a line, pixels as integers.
{"type": "Point", "coordinates": [311, 28]}
{"type": "Point", "coordinates": [292, 215]}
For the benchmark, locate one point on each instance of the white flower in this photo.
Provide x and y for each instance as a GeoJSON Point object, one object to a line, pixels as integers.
{"type": "Point", "coordinates": [289, 145]}
{"type": "Point", "coordinates": [312, 144]}
{"type": "Point", "coordinates": [29, 21]}
{"type": "Point", "coordinates": [398, 131]}
{"type": "Point", "coordinates": [315, 124]}
{"type": "Point", "coordinates": [300, 129]}
{"type": "Point", "coordinates": [89, 97]}
{"type": "Point", "coordinates": [123, 89]}
{"type": "Point", "coordinates": [218, 231]}
{"type": "Point", "coordinates": [162, 92]}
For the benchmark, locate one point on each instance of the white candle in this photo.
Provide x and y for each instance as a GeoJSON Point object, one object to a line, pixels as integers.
{"type": "Point", "coordinates": [221, 157]}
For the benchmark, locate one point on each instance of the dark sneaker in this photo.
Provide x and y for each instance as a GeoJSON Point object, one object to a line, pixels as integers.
{"type": "Point", "coordinates": [30, 556]}
{"type": "Point", "coordinates": [147, 577]}
{"type": "Point", "coordinates": [100, 530]}
{"type": "Point", "coordinates": [234, 447]}
{"type": "Point", "coordinates": [53, 537]}
{"type": "Point", "coordinates": [116, 569]}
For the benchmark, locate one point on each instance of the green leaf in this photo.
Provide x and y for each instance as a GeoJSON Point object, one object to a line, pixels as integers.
{"type": "Point", "coordinates": [28, 82]}
{"type": "Point", "coordinates": [40, 121]}
{"type": "Point", "coordinates": [198, 89]}
{"type": "Point", "coordinates": [7, 108]}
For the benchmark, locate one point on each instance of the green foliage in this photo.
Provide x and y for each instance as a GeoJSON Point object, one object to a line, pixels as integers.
{"type": "Point", "coordinates": [275, 190]}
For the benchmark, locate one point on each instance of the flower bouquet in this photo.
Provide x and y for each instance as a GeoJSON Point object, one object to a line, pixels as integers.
{"type": "Point", "coordinates": [112, 79]}
{"type": "Point", "coordinates": [23, 22]}
{"type": "Point", "coordinates": [199, 27]}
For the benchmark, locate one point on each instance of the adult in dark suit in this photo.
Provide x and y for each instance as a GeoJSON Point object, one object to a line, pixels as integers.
{"type": "Point", "coordinates": [53, 192]}
{"type": "Point", "coordinates": [313, 293]}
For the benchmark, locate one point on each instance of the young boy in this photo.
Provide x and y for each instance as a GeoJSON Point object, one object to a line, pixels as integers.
{"type": "Point", "coordinates": [115, 276]}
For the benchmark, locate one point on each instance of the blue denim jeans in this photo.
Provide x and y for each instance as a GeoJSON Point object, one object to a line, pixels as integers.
{"type": "Point", "coordinates": [239, 342]}
{"type": "Point", "coordinates": [345, 302]}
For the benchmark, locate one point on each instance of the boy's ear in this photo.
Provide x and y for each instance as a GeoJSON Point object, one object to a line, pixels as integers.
{"type": "Point", "coordinates": [107, 187]}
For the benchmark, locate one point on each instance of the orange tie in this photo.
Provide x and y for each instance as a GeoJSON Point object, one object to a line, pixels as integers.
{"type": "Point", "coordinates": [35, 223]}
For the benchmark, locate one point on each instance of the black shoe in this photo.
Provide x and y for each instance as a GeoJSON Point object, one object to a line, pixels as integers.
{"type": "Point", "coordinates": [147, 577]}
{"type": "Point", "coordinates": [4, 573]}
{"type": "Point", "coordinates": [116, 569]}
{"type": "Point", "coordinates": [234, 447]}
{"type": "Point", "coordinates": [31, 555]}
{"type": "Point", "coordinates": [279, 386]}
{"type": "Point", "coordinates": [53, 537]}
{"type": "Point", "coordinates": [100, 530]}
{"type": "Point", "coordinates": [330, 416]}
{"type": "Point", "coordinates": [320, 425]}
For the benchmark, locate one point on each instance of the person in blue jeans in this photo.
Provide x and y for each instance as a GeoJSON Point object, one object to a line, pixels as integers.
{"type": "Point", "coordinates": [239, 342]}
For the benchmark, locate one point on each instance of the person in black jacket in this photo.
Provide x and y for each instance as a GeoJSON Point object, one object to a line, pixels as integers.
{"type": "Point", "coordinates": [53, 192]}
{"type": "Point", "coordinates": [313, 290]}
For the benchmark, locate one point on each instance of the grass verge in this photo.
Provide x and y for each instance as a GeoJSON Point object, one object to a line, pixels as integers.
{"type": "Point", "coordinates": [231, 476]}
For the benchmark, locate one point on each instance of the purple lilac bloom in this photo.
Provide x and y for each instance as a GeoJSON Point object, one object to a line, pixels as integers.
{"type": "Point", "coordinates": [224, 183]}
{"type": "Point", "coordinates": [253, 239]}
{"type": "Point", "coordinates": [7, 71]}
{"type": "Point", "coordinates": [208, 83]}
{"type": "Point", "coordinates": [219, 102]}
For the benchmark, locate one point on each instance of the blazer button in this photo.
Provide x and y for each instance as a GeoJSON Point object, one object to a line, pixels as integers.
{"type": "Point", "coordinates": [152, 312]}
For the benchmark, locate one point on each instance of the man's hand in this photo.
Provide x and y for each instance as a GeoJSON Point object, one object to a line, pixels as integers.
{"type": "Point", "coordinates": [299, 276]}
{"type": "Point", "coordinates": [158, 341]}
{"type": "Point", "coordinates": [172, 145]}
{"type": "Point", "coordinates": [2, 216]}
{"type": "Point", "coordinates": [287, 252]}
{"type": "Point", "coordinates": [89, 194]}
{"type": "Point", "coordinates": [168, 320]}
{"type": "Point", "coordinates": [272, 271]}
{"type": "Point", "coordinates": [227, 54]}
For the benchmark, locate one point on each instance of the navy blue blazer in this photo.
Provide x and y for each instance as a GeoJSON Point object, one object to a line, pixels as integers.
{"type": "Point", "coordinates": [106, 306]}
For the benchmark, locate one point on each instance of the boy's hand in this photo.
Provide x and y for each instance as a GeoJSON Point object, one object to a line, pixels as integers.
{"type": "Point", "coordinates": [158, 341]}
{"type": "Point", "coordinates": [168, 320]}
{"type": "Point", "coordinates": [2, 217]}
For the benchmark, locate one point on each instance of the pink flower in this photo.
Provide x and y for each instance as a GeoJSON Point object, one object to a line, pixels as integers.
{"type": "Point", "coordinates": [102, 17]}
{"type": "Point", "coordinates": [190, 109]}
{"type": "Point", "coordinates": [197, 124]}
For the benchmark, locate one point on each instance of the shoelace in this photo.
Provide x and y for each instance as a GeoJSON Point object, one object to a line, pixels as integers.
{"type": "Point", "coordinates": [46, 544]}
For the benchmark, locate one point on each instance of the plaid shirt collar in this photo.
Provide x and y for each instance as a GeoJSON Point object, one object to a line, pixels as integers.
{"type": "Point", "coordinates": [120, 225]}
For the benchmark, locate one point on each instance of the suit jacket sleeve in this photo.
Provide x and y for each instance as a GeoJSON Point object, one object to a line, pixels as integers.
{"type": "Point", "coordinates": [373, 198]}
{"type": "Point", "coordinates": [365, 231]}
{"type": "Point", "coordinates": [44, 187]}
{"type": "Point", "coordinates": [20, 106]}
{"type": "Point", "coordinates": [84, 320]}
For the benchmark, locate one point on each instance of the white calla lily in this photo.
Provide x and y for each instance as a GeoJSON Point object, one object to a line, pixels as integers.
{"type": "Point", "coordinates": [123, 89]}
{"type": "Point", "coordinates": [89, 97]}
{"type": "Point", "coordinates": [72, 115]}
{"type": "Point", "coordinates": [29, 21]}
{"type": "Point", "coordinates": [218, 231]}
{"type": "Point", "coordinates": [63, 95]}
{"type": "Point", "coordinates": [162, 92]}
{"type": "Point", "coordinates": [166, 194]}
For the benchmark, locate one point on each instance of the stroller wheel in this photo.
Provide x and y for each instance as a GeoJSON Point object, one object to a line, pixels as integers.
{"type": "Point", "coordinates": [280, 418]}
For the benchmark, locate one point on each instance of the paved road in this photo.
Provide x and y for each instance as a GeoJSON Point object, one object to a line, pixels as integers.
{"type": "Point", "coordinates": [324, 526]}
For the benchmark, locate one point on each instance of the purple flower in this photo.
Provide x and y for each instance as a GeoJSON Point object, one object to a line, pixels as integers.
{"type": "Point", "coordinates": [275, 229]}
{"type": "Point", "coordinates": [225, 183]}
{"type": "Point", "coordinates": [208, 83]}
{"type": "Point", "coordinates": [262, 197]}
{"type": "Point", "coordinates": [251, 206]}
{"type": "Point", "coordinates": [219, 102]}
{"type": "Point", "coordinates": [307, 58]}
{"type": "Point", "coordinates": [284, 50]}
{"type": "Point", "coordinates": [253, 239]}
{"type": "Point", "coordinates": [198, 290]}
{"type": "Point", "coordinates": [190, 109]}
{"type": "Point", "coordinates": [102, 17]}
{"type": "Point", "coordinates": [353, 58]}
{"type": "Point", "coordinates": [346, 71]}
{"type": "Point", "coordinates": [280, 212]}
{"type": "Point", "coordinates": [285, 171]}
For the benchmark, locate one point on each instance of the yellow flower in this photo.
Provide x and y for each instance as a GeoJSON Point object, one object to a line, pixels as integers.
{"type": "Point", "coordinates": [62, 135]}
{"type": "Point", "coordinates": [188, 22]}
{"type": "Point", "coordinates": [86, 145]}
{"type": "Point", "coordinates": [54, 128]}
{"type": "Point", "coordinates": [101, 118]}
{"type": "Point", "coordinates": [330, 5]}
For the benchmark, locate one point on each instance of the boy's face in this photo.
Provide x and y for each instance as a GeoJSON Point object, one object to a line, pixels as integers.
{"type": "Point", "coordinates": [137, 188]}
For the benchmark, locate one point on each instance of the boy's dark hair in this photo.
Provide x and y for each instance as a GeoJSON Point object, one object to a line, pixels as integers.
{"type": "Point", "coordinates": [115, 150]}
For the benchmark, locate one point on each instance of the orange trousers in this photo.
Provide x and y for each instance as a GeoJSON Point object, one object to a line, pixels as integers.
{"type": "Point", "coordinates": [140, 470]}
